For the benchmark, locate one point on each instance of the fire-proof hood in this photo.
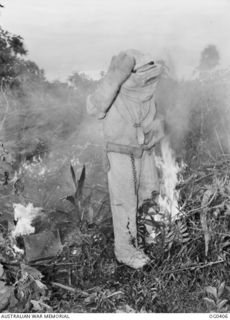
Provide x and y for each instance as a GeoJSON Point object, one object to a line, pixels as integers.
{"type": "Point", "coordinates": [142, 81]}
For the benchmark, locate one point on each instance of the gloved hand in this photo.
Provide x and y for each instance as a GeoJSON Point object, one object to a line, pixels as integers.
{"type": "Point", "coordinates": [155, 134]}
{"type": "Point", "coordinates": [121, 67]}
{"type": "Point", "coordinates": [119, 70]}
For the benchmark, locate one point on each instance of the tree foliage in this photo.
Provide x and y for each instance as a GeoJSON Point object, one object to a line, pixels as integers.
{"type": "Point", "coordinates": [81, 82]}
{"type": "Point", "coordinates": [37, 114]}
{"type": "Point", "coordinates": [11, 49]}
{"type": "Point", "coordinates": [209, 58]}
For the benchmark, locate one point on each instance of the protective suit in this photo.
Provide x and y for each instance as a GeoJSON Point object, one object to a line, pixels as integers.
{"type": "Point", "coordinates": [124, 100]}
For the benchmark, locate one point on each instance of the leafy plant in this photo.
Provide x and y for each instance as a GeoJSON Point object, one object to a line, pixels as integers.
{"type": "Point", "coordinates": [176, 234]}
{"type": "Point", "coordinates": [215, 301]}
{"type": "Point", "coordinates": [76, 198]}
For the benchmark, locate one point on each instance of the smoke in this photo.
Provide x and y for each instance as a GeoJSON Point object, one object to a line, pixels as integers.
{"type": "Point", "coordinates": [49, 120]}
{"type": "Point", "coordinates": [46, 128]}
{"type": "Point", "coordinates": [41, 117]}
{"type": "Point", "coordinates": [197, 109]}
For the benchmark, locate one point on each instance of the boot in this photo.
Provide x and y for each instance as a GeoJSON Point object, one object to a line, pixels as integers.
{"type": "Point", "coordinates": [134, 258]}
{"type": "Point", "coordinates": [123, 201]}
{"type": "Point", "coordinates": [125, 234]}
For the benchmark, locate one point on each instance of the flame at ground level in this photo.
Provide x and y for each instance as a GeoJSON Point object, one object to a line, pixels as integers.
{"type": "Point", "coordinates": [170, 170]}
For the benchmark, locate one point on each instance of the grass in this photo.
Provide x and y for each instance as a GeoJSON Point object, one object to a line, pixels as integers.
{"type": "Point", "coordinates": [179, 272]}
{"type": "Point", "coordinates": [85, 276]}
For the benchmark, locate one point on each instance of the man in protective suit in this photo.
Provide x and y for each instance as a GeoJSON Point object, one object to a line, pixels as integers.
{"type": "Point", "coordinates": [124, 100]}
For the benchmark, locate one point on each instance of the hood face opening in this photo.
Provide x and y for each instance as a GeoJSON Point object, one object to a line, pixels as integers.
{"type": "Point", "coordinates": [145, 67]}
{"type": "Point", "coordinates": [145, 77]}
{"type": "Point", "coordinates": [142, 60]}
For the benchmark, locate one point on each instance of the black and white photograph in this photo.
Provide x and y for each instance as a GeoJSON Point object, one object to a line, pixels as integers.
{"type": "Point", "coordinates": [114, 157]}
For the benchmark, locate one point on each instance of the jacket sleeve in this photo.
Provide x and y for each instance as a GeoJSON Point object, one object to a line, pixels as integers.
{"type": "Point", "coordinates": [155, 132]}
{"type": "Point", "coordinates": [101, 100]}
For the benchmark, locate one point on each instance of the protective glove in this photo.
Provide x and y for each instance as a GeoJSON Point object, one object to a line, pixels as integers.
{"type": "Point", "coordinates": [155, 134]}
{"type": "Point", "coordinates": [121, 67]}
{"type": "Point", "coordinates": [119, 70]}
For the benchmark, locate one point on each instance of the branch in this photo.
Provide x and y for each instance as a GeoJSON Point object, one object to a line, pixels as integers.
{"type": "Point", "coordinates": [68, 288]}
{"type": "Point", "coordinates": [6, 107]}
{"type": "Point", "coordinates": [198, 266]}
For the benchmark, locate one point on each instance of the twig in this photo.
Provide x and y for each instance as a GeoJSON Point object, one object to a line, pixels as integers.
{"type": "Point", "coordinates": [68, 288]}
{"type": "Point", "coordinates": [6, 107]}
{"type": "Point", "coordinates": [207, 175]}
{"type": "Point", "coordinates": [199, 266]}
{"type": "Point", "coordinates": [218, 140]}
{"type": "Point", "coordinates": [61, 264]}
{"type": "Point", "coordinates": [220, 233]}
{"type": "Point", "coordinates": [115, 293]}
{"type": "Point", "coordinates": [62, 286]}
{"type": "Point", "coordinates": [34, 264]}
{"type": "Point", "coordinates": [201, 208]}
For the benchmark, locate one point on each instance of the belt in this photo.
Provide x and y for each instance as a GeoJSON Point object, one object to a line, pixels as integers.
{"type": "Point", "coordinates": [124, 149]}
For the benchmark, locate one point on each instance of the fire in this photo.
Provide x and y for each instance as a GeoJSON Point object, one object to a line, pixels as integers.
{"type": "Point", "coordinates": [24, 216]}
{"type": "Point", "coordinates": [170, 171]}
{"type": "Point", "coordinates": [36, 168]}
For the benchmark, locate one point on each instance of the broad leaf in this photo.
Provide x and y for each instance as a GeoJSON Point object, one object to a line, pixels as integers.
{"type": "Point", "coordinates": [222, 303]}
{"type": "Point", "coordinates": [210, 302]}
{"type": "Point", "coordinates": [1, 270]}
{"type": "Point", "coordinates": [221, 289]}
{"type": "Point", "coordinates": [212, 291]}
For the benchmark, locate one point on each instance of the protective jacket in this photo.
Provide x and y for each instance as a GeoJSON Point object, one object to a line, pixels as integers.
{"type": "Point", "coordinates": [124, 100]}
{"type": "Point", "coordinates": [131, 120]}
